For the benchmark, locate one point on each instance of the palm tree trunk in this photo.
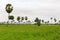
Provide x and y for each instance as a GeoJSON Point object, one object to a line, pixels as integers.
{"type": "Point", "coordinates": [8, 20]}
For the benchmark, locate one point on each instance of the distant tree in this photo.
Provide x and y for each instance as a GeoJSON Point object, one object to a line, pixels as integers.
{"type": "Point", "coordinates": [29, 21]}
{"type": "Point", "coordinates": [55, 19]}
{"type": "Point", "coordinates": [42, 21]}
{"type": "Point", "coordinates": [59, 21]}
{"type": "Point", "coordinates": [26, 18]}
{"type": "Point", "coordinates": [51, 19]}
{"type": "Point", "coordinates": [9, 9]}
{"type": "Point", "coordinates": [37, 21]}
{"type": "Point", "coordinates": [22, 18]}
{"type": "Point", "coordinates": [47, 22]}
{"type": "Point", "coordinates": [18, 19]}
{"type": "Point", "coordinates": [11, 18]}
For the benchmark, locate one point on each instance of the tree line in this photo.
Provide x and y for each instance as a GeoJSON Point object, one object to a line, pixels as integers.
{"type": "Point", "coordinates": [9, 9]}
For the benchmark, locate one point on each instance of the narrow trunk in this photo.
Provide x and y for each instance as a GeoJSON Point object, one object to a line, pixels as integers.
{"type": "Point", "coordinates": [8, 20]}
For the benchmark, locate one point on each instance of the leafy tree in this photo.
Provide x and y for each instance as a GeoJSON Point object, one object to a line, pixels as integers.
{"type": "Point", "coordinates": [18, 19]}
{"type": "Point", "coordinates": [37, 21]}
{"type": "Point", "coordinates": [9, 9]}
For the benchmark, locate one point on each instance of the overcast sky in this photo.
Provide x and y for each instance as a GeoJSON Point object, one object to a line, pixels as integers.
{"type": "Point", "coordinates": [44, 9]}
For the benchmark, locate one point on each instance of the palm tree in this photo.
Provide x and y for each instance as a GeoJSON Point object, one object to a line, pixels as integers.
{"type": "Point", "coordinates": [18, 19]}
{"type": "Point", "coordinates": [47, 22]}
{"type": "Point", "coordinates": [55, 19]}
{"type": "Point", "coordinates": [22, 18]}
{"type": "Point", "coordinates": [26, 18]}
{"type": "Point", "coordinates": [42, 21]}
{"type": "Point", "coordinates": [11, 18]}
{"type": "Point", "coordinates": [9, 9]}
{"type": "Point", "coordinates": [51, 19]}
{"type": "Point", "coordinates": [36, 19]}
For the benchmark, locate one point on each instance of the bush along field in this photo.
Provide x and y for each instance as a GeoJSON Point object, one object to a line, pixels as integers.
{"type": "Point", "coordinates": [29, 32]}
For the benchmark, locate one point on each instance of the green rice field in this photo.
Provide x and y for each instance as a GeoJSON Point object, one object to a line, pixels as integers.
{"type": "Point", "coordinates": [29, 32]}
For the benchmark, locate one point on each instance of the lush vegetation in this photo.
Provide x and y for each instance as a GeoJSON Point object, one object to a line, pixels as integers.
{"type": "Point", "coordinates": [29, 32]}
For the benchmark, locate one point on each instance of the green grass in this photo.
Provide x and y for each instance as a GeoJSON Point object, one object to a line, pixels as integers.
{"type": "Point", "coordinates": [29, 32]}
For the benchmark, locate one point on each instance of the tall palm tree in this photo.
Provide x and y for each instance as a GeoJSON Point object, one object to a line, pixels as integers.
{"type": "Point", "coordinates": [9, 9]}
{"type": "Point", "coordinates": [18, 19]}
{"type": "Point", "coordinates": [11, 18]}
